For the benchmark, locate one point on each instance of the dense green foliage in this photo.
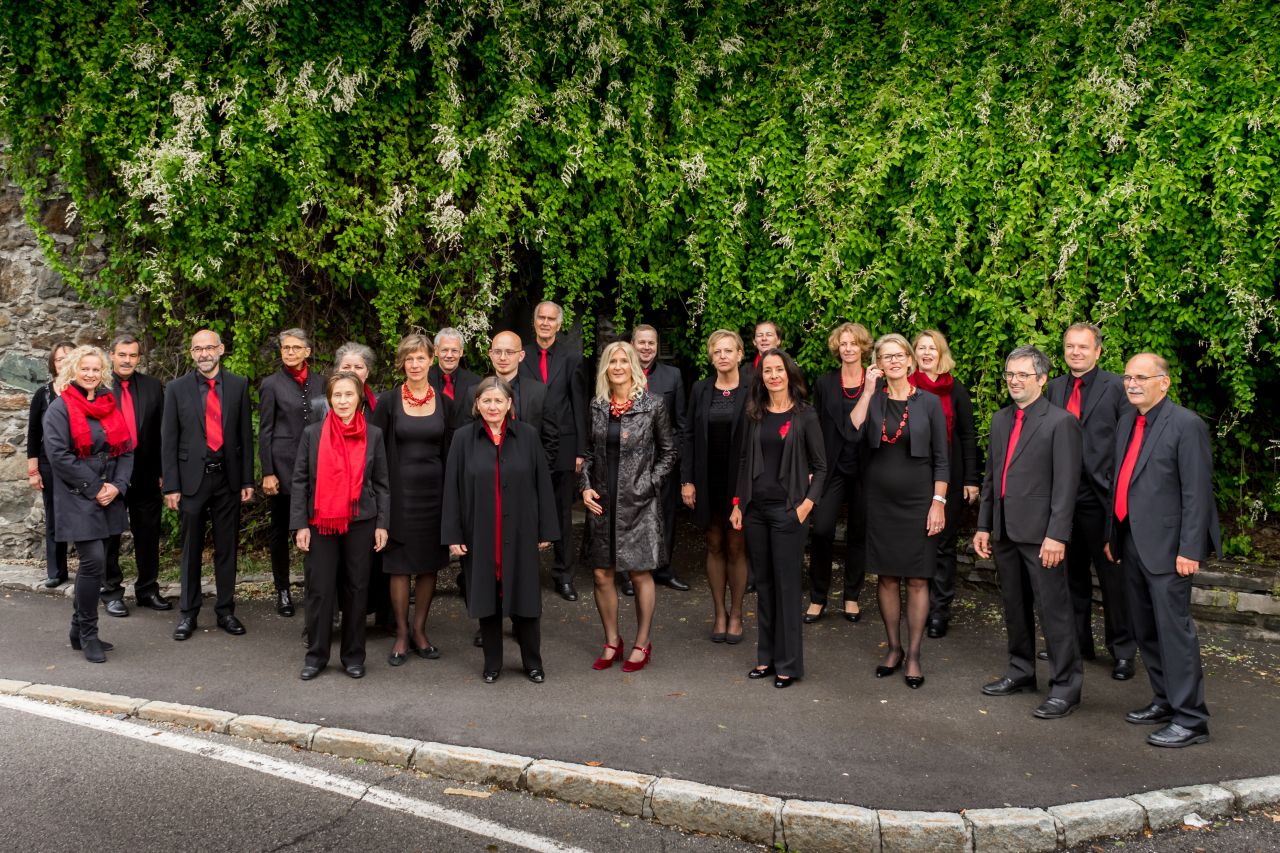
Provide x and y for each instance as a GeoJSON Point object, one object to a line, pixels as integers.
{"type": "Point", "coordinates": [997, 170]}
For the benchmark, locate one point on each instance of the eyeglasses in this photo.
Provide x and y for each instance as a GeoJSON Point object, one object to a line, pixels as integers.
{"type": "Point", "coordinates": [1139, 378]}
{"type": "Point", "coordinates": [893, 356]}
{"type": "Point", "coordinates": [203, 350]}
{"type": "Point", "coordinates": [504, 353]}
{"type": "Point", "coordinates": [293, 348]}
{"type": "Point", "coordinates": [1009, 376]}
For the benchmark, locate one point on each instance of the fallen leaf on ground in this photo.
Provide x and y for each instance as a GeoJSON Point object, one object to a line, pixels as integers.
{"type": "Point", "coordinates": [594, 763]}
{"type": "Point", "coordinates": [465, 792]}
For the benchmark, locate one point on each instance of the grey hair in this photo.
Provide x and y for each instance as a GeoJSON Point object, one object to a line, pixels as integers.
{"type": "Point", "coordinates": [294, 333]}
{"type": "Point", "coordinates": [124, 339]}
{"type": "Point", "coordinates": [360, 351]}
{"type": "Point", "coordinates": [449, 332]}
{"type": "Point", "coordinates": [1038, 359]}
{"type": "Point", "coordinates": [553, 305]}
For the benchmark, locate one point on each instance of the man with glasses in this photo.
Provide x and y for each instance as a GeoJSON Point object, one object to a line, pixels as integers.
{"type": "Point", "coordinates": [207, 459]}
{"type": "Point", "coordinates": [1162, 524]}
{"type": "Point", "coordinates": [1028, 497]}
{"type": "Point", "coordinates": [450, 378]}
{"type": "Point", "coordinates": [1095, 398]}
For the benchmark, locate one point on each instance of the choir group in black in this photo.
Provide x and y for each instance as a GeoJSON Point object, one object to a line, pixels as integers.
{"type": "Point", "coordinates": [1087, 472]}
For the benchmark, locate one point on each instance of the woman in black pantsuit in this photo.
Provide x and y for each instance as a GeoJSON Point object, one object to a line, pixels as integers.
{"type": "Point", "coordinates": [339, 505]}
{"type": "Point", "coordinates": [781, 475]}
{"type": "Point", "coordinates": [91, 460]}
{"type": "Point", "coordinates": [906, 482]}
{"type": "Point", "coordinates": [499, 511]}
{"type": "Point", "coordinates": [39, 474]}
{"type": "Point", "coordinates": [834, 396]}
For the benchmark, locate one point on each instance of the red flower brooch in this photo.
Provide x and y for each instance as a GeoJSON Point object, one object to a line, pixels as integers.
{"type": "Point", "coordinates": [784, 429]}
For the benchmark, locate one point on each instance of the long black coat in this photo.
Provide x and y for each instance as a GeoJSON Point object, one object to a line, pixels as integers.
{"type": "Point", "coordinates": [529, 516]}
{"type": "Point", "coordinates": [646, 457]}
{"type": "Point", "coordinates": [285, 409]}
{"type": "Point", "coordinates": [76, 481]}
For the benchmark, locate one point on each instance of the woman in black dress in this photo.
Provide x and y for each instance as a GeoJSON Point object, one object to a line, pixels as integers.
{"type": "Point", "coordinates": [834, 396]}
{"type": "Point", "coordinates": [710, 448]}
{"type": "Point", "coordinates": [496, 461]}
{"type": "Point", "coordinates": [906, 482]}
{"type": "Point", "coordinates": [781, 474]}
{"type": "Point", "coordinates": [631, 450]}
{"type": "Point", "coordinates": [415, 427]}
{"type": "Point", "coordinates": [38, 471]}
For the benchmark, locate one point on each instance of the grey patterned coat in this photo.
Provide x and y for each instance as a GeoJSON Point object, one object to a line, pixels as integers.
{"type": "Point", "coordinates": [646, 457]}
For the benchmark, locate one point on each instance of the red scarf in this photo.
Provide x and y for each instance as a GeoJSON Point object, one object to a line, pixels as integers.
{"type": "Point", "coordinates": [299, 375]}
{"type": "Point", "coordinates": [102, 409]}
{"type": "Point", "coordinates": [941, 388]}
{"type": "Point", "coordinates": [370, 397]}
{"type": "Point", "coordinates": [339, 473]}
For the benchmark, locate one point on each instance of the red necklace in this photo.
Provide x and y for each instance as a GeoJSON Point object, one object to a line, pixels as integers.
{"type": "Point", "coordinates": [856, 394]}
{"type": "Point", "coordinates": [884, 435]}
{"type": "Point", "coordinates": [617, 410]}
{"type": "Point", "coordinates": [416, 401]}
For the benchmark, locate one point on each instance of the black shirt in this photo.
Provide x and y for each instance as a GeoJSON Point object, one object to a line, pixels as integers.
{"type": "Point", "coordinates": [767, 485]}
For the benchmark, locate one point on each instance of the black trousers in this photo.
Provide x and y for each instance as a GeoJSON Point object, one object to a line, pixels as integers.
{"type": "Point", "coordinates": [1088, 537]}
{"type": "Point", "coordinates": [338, 574]}
{"type": "Point", "coordinates": [565, 485]}
{"type": "Point", "coordinates": [84, 615]}
{"type": "Point", "coordinates": [775, 541]}
{"type": "Point", "coordinates": [144, 522]}
{"type": "Point", "coordinates": [1160, 606]}
{"type": "Point", "coordinates": [216, 501]}
{"type": "Point", "coordinates": [528, 633]}
{"type": "Point", "coordinates": [278, 540]}
{"type": "Point", "coordinates": [1027, 587]}
{"type": "Point", "coordinates": [844, 491]}
{"type": "Point", "coordinates": [55, 553]}
{"type": "Point", "coordinates": [942, 588]}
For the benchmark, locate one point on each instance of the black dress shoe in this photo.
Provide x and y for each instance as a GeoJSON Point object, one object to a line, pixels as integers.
{"type": "Point", "coordinates": [810, 618]}
{"type": "Point", "coordinates": [1042, 655]}
{"type": "Point", "coordinates": [567, 592]}
{"type": "Point", "coordinates": [490, 676]}
{"type": "Point", "coordinates": [356, 670]}
{"type": "Point", "coordinates": [782, 682]}
{"type": "Point", "coordinates": [477, 642]}
{"type": "Point", "coordinates": [671, 582]}
{"type": "Point", "coordinates": [915, 682]}
{"type": "Point", "coordinates": [54, 583]}
{"type": "Point", "coordinates": [231, 625]}
{"type": "Point", "coordinates": [309, 672]}
{"type": "Point", "coordinates": [751, 587]}
{"type": "Point", "coordinates": [154, 601]}
{"type": "Point", "coordinates": [537, 676]}
{"type": "Point", "coordinates": [427, 652]}
{"type": "Point", "coordinates": [1009, 686]}
{"type": "Point", "coordinates": [937, 628]}
{"type": "Point", "coordinates": [855, 616]}
{"type": "Point", "coordinates": [760, 673]}
{"type": "Point", "coordinates": [116, 607]}
{"type": "Point", "coordinates": [186, 627]}
{"type": "Point", "coordinates": [628, 588]}
{"type": "Point", "coordinates": [397, 659]}
{"type": "Point", "coordinates": [1123, 670]}
{"type": "Point", "coordinates": [1054, 708]}
{"type": "Point", "coordinates": [1172, 735]}
{"type": "Point", "coordinates": [1151, 715]}
{"type": "Point", "coordinates": [75, 643]}
{"type": "Point", "coordinates": [284, 604]}
{"type": "Point", "coordinates": [94, 652]}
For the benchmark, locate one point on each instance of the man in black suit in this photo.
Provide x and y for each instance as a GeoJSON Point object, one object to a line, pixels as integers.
{"type": "Point", "coordinates": [1162, 525]}
{"type": "Point", "coordinates": [207, 459]}
{"type": "Point", "coordinates": [141, 399]}
{"type": "Point", "coordinates": [1096, 399]}
{"type": "Point", "coordinates": [550, 361]}
{"type": "Point", "coordinates": [1028, 496]}
{"type": "Point", "coordinates": [506, 352]}
{"type": "Point", "coordinates": [666, 383]}
{"type": "Point", "coordinates": [454, 381]}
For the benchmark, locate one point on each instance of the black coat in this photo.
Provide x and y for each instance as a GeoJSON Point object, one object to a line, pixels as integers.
{"type": "Point", "coordinates": [1103, 401]}
{"type": "Point", "coordinates": [694, 467]}
{"type": "Point", "coordinates": [837, 429]}
{"type": "Point", "coordinates": [529, 516]}
{"type": "Point", "coordinates": [384, 418]}
{"type": "Point", "coordinates": [666, 383]}
{"type": "Point", "coordinates": [567, 396]}
{"type": "Point", "coordinates": [646, 457]}
{"type": "Point", "coordinates": [804, 461]}
{"type": "Point", "coordinates": [375, 493]}
{"type": "Point", "coordinates": [147, 394]}
{"type": "Point", "coordinates": [182, 438]}
{"type": "Point", "coordinates": [285, 410]}
{"type": "Point", "coordinates": [76, 481]}
{"type": "Point", "coordinates": [926, 428]}
{"type": "Point", "coordinates": [464, 391]}
{"type": "Point", "coordinates": [531, 408]}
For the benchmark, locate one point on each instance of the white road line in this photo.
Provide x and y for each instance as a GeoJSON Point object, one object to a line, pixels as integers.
{"type": "Point", "coordinates": [300, 774]}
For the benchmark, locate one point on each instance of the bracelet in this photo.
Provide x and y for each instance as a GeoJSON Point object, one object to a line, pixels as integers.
{"type": "Point", "coordinates": [940, 499]}
{"type": "Point", "coordinates": [736, 501]}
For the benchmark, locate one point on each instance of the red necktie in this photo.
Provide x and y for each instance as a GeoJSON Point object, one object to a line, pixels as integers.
{"type": "Point", "coordinates": [1013, 442]}
{"type": "Point", "coordinates": [213, 418]}
{"type": "Point", "coordinates": [1073, 402]}
{"type": "Point", "coordinates": [448, 385]}
{"type": "Point", "coordinates": [130, 416]}
{"type": "Point", "coordinates": [1126, 468]}
{"type": "Point", "coordinates": [544, 367]}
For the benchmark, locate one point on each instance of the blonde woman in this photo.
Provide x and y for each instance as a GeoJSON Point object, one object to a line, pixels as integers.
{"type": "Point", "coordinates": [630, 451]}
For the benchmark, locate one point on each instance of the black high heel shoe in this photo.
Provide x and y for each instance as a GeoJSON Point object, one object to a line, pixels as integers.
{"type": "Point", "coordinates": [913, 681]}
{"type": "Point", "coordinates": [883, 671]}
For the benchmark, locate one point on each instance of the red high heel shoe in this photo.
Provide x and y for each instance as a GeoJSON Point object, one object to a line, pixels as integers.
{"type": "Point", "coordinates": [603, 662]}
{"type": "Point", "coordinates": [636, 666]}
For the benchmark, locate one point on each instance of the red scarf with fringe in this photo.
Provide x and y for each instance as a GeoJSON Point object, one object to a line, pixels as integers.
{"type": "Point", "coordinates": [103, 409]}
{"type": "Point", "coordinates": [339, 473]}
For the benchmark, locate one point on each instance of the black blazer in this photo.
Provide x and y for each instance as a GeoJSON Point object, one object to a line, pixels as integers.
{"type": "Point", "coordinates": [694, 450]}
{"type": "Point", "coordinates": [375, 493]}
{"type": "Point", "coordinates": [804, 461]}
{"type": "Point", "coordinates": [182, 439]}
{"type": "Point", "coordinates": [531, 408]}
{"type": "Point", "coordinates": [147, 394]}
{"type": "Point", "coordinates": [666, 382]}
{"type": "Point", "coordinates": [1043, 478]}
{"type": "Point", "coordinates": [76, 481]}
{"type": "Point", "coordinates": [837, 429]}
{"type": "Point", "coordinates": [926, 428]}
{"type": "Point", "coordinates": [285, 410]}
{"type": "Point", "coordinates": [40, 401]}
{"type": "Point", "coordinates": [1172, 512]}
{"type": "Point", "coordinates": [1102, 404]}
{"type": "Point", "coordinates": [384, 418]}
{"type": "Point", "coordinates": [464, 390]}
{"type": "Point", "coordinates": [567, 397]}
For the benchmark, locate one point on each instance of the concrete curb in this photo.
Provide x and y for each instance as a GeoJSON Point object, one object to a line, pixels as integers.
{"type": "Point", "coordinates": [787, 824]}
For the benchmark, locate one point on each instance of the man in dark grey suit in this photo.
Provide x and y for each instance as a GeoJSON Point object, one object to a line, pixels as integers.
{"type": "Point", "coordinates": [1162, 526]}
{"type": "Point", "coordinates": [666, 383]}
{"type": "Point", "coordinates": [207, 457]}
{"type": "Point", "coordinates": [1096, 399]}
{"type": "Point", "coordinates": [1028, 496]}
{"type": "Point", "coordinates": [450, 377]}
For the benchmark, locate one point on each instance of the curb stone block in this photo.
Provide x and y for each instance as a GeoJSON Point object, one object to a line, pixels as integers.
{"type": "Point", "coordinates": [90, 700]}
{"type": "Point", "coordinates": [471, 764]}
{"type": "Point", "coordinates": [347, 743]}
{"type": "Point", "coordinates": [191, 716]}
{"type": "Point", "coordinates": [1249, 793]}
{"type": "Point", "coordinates": [271, 730]}
{"type": "Point", "coordinates": [812, 827]}
{"type": "Point", "coordinates": [1012, 830]}
{"type": "Point", "coordinates": [716, 811]}
{"type": "Point", "coordinates": [9, 687]}
{"type": "Point", "coordinates": [601, 787]}
{"type": "Point", "coordinates": [1099, 819]}
{"type": "Point", "coordinates": [924, 832]}
{"type": "Point", "coordinates": [1166, 808]}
